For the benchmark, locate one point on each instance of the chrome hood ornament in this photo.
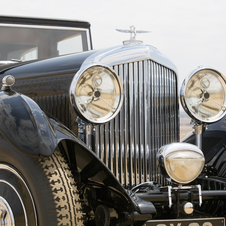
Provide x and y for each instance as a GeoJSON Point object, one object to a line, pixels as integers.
{"type": "Point", "coordinates": [133, 32]}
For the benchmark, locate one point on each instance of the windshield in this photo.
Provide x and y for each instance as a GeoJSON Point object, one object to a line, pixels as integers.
{"type": "Point", "coordinates": [23, 42]}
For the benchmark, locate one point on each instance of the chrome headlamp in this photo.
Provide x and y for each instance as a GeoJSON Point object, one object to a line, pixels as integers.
{"type": "Point", "coordinates": [96, 93]}
{"type": "Point", "coordinates": [182, 162]}
{"type": "Point", "coordinates": [203, 95]}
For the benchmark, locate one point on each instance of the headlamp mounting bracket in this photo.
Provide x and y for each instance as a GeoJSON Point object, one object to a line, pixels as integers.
{"type": "Point", "coordinates": [171, 190]}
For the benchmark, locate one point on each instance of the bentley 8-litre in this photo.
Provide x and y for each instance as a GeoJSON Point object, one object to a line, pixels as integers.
{"type": "Point", "coordinates": [91, 137]}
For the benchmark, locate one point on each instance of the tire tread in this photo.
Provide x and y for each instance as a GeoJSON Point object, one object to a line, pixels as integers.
{"type": "Point", "coordinates": [64, 190]}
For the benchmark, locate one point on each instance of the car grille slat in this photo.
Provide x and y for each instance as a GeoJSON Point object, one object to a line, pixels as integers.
{"type": "Point", "coordinates": [142, 125]}
{"type": "Point", "coordinates": [138, 162]}
{"type": "Point", "coordinates": [148, 119]}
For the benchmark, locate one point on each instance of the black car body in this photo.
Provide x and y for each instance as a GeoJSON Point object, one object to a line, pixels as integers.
{"type": "Point", "coordinates": [81, 130]}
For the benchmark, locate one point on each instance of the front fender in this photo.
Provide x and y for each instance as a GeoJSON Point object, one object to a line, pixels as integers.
{"type": "Point", "coordinates": [25, 125]}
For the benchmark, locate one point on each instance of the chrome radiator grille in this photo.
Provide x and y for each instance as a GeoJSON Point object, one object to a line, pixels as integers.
{"type": "Point", "coordinates": [148, 119]}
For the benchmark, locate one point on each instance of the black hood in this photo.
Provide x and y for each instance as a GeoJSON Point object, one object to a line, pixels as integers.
{"type": "Point", "coordinates": [56, 65]}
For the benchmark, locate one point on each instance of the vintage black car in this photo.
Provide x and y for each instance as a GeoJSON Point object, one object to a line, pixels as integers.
{"type": "Point", "coordinates": [91, 137]}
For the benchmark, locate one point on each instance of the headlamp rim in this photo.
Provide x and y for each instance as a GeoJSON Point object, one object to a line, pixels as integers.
{"type": "Point", "coordinates": [73, 100]}
{"type": "Point", "coordinates": [183, 94]}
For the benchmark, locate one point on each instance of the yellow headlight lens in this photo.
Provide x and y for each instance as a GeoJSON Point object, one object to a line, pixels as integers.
{"type": "Point", "coordinates": [184, 166]}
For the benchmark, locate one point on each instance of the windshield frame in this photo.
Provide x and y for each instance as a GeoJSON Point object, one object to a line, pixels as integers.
{"type": "Point", "coordinates": [49, 24]}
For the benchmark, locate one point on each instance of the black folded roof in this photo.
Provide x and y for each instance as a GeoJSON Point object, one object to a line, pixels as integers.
{"type": "Point", "coordinates": [44, 21]}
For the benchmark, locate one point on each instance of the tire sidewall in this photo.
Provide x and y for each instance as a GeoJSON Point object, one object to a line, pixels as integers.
{"type": "Point", "coordinates": [32, 173]}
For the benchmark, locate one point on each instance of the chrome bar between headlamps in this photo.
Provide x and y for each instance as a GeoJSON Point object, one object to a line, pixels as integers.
{"type": "Point", "coordinates": [163, 196]}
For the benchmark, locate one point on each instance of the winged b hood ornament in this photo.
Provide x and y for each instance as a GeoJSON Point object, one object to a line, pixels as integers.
{"type": "Point", "coordinates": [133, 32]}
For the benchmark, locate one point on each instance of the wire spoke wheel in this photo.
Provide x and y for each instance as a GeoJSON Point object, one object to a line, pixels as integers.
{"type": "Point", "coordinates": [15, 199]}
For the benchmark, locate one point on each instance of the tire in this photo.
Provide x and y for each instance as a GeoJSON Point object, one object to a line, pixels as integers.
{"type": "Point", "coordinates": [37, 191]}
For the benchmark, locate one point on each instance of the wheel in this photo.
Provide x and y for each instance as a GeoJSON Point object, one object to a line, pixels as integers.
{"type": "Point", "coordinates": [102, 216]}
{"type": "Point", "coordinates": [37, 191]}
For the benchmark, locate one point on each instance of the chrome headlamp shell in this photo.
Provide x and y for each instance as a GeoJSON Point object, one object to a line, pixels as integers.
{"type": "Point", "coordinates": [96, 93]}
{"type": "Point", "coordinates": [203, 95]}
{"type": "Point", "coordinates": [181, 162]}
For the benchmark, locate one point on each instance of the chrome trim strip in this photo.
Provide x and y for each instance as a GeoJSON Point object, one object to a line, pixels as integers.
{"type": "Point", "coordinates": [175, 147]}
{"type": "Point", "coordinates": [7, 62]}
{"type": "Point", "coordinates": [129, 53]}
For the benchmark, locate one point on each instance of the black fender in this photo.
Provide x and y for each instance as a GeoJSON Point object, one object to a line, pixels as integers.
{"type": "Point", "coordinates": [25, 126]}
{"type": "Point", "coordinates": [213, 145]}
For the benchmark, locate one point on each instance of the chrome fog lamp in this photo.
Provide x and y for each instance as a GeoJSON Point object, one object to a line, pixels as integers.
{"type": "Point", "coordinates": [96, 93]}
{"type": "Point", "coordinates": [203, 95]}
{"type": "Point", "coordinates": [181, 162]}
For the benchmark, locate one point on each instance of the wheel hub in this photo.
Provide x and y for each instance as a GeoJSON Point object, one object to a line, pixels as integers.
{"type": "Point", "coordinates": [6, 213]}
